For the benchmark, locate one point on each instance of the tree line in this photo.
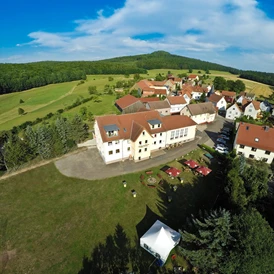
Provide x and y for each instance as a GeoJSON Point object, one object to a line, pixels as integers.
{"type": "Point", "coordinates": [235, 238]}
{"type": "Point", "coordinates": [19, 77]}
{"type": "Point", "coordinates": [220, 83]}
{"type": "Point", "coordinates": [262, 77]}
{"type": "Point", "coordinates": [44, 141]}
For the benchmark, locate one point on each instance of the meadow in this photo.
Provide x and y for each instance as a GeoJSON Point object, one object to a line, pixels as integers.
{"type": "Point", "coordinates": [38, 102]}
{"type": "Point", "coordinates": [50, 222]}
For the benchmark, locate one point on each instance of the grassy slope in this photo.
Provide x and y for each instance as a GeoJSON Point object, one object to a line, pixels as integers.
{"type": "Point", "coordinates": [41, 101]}
{"type": "Point", "coordinates": [53, 221]}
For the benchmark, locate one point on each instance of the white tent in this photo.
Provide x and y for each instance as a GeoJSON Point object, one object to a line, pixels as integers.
{"type": "Point", "coordinates": [159, 240]}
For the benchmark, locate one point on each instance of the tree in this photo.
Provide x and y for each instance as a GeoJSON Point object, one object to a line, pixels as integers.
{"type": "Point", "coordinates": [190, 70]}
{"type": "Point", "coordinates": [31, 138]}
{"type": "Point", "coordinates": [202, 98]}
{"type": "Point", "coordinates": [44, 141]}
{"type": "Point", "coordinates": [92, 90]}
{"type": "Point", "coordinates": [83, 112]}
{"type": "Point", "coordinates": [21, 101]}
{"type": "Point", "coordinates": [239, 86]}
{"type": "Point", "coordinates": [208, 240]}
{"type": "Point", "coordinates": [253, 250]}
{"type": "Point", "coordinates": [79, 130]}
{"type": "Point", "coordinates": [159, 77]}
{"type": "Point", "coordinates": [90, 116]}
{"type": "Point", "coordinates": [220, 83]}
{"type": "Point", "coordinates": [110, 78]}
{"type": "Point", "coordinates": [21, 111]}
{"type": "Point", "coordinates": [230, 85]}
{"type": "Point", "coordinates": [63, 130]}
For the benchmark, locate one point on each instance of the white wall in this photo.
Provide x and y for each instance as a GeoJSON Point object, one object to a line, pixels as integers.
{"type": "Point", "coordinates": [259, 154]}
{"type": "Point", "coordinates": [142, 147]}
{"type": "Point", "coordinates": [176, 108]}
{"type": "Point", "coordinates": [158, 141]}
{"type": "Point", "coordinates": [203, 118]}
{"type": "Point", "coordinates": [221, 105]}
{"type": "Point", "coordinates": [251, 111]}
{"type": "Point", "coordinates": [171, 135]}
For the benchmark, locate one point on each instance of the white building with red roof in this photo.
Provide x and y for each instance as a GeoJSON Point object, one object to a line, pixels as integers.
{"type": "Point", "coordinates": [255, 142]}
{"type": "Point", "coordinates": [233, 112]}
{"type": "Point", "coordinates": [177, 103]}
{"type": "Point", "coordinates": [136, 136]}
{"type": "Point", "coordinates": [252, 109]}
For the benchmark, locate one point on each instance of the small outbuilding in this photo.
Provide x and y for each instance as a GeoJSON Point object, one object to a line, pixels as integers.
{"type": "Point", "coordinates": [159, 240]}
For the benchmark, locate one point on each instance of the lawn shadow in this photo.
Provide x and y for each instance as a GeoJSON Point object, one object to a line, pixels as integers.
{"type": "Point", "coordinates": [117, 256]}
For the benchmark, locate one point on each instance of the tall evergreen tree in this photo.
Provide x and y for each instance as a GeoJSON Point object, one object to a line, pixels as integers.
{"type": "Point", "coordinates": [208, 240]}
{"type": "Point", "coordinates": [44, 142]}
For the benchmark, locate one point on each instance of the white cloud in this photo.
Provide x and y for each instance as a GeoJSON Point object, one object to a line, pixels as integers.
{"type": "Point", "coordinates": [204, 29]}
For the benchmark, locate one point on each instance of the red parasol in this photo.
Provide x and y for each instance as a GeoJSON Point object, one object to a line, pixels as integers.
{"type": "Point", "coordinates": [191, 163]}
{"type": "Point", "coordinates": [172, 171]}
{"type": "Point", "coordinates": [203, 170]}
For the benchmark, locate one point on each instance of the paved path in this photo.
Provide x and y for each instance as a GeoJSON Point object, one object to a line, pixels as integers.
{"type": "Point", "coordinates": [89, 165]}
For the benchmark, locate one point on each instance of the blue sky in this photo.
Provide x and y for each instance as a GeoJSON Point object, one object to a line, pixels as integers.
{"type": "Point", "coordinates": [237, 33]}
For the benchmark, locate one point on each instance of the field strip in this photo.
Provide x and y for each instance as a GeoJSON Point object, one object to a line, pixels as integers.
{"type": "Point", "coordinates": [10, 115]}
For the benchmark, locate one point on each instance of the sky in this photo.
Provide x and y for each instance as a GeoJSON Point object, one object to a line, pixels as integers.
{"type": "Point", "coordinates": [236, 33]}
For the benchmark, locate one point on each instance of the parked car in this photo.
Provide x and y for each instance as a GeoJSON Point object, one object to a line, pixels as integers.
{"type": "Point", "coordinates": [223, 137]}
{"type": "Point", "coordinates": [222, 150]}
{"type": "Point", "coordinates": [220, 140]}
{"type": "Point", "coordinates": [224, 133]}
{"type": "Point", "coordinates": [226, 129]}
{"type": "Point", "coordinates": [222, 146]}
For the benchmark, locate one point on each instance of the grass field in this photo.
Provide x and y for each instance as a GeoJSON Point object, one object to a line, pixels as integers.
{"type": "Point", "coordinates": [49, 222]}
{"type": "Point", "coordinates": [39, 102]}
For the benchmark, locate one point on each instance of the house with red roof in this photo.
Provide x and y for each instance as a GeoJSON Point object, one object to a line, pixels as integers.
{"type": "Point", "coordinates": [230, 96]}
{"type": "Point", "coordinates": [149, 88]}
{"type": "Point", "coordinates": [218, 101]}
{"type": "Point", "coordinates": [177, 103]}
{"type": "Point", "coordinates": [136, 136]}
{"type": "Point", "coordinates": [193, 77]}
{"type": "Point", "coordinates": [252, 109]}
{"type": "Point", "coordinates": [233, 112]}
{"type": "Point", "coordinates": [255, 142]}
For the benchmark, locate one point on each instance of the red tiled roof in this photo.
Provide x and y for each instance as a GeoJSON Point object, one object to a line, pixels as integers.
{"type": "Point", "coordinates": [126, 101]}
{"type": "Point", "coordinates": [177, 121]}
{"type": "Point", "coordinates": [256, 104]}
{"type": "Point", "coordinates": [199, 89]}
{"type": "Point", "coordinates": [149, 99]}
{"type": "Point", "coordinates": [130, 125]}
{"type": "Point", "coordinates": [192, 76]}
{"type": "Point", "coordinates": [229, 93]}
{"type": "Point", "coordinates": [214, 98]}
{"type": "Point", "coordinates": [157, 83]}
{"type": "Point", "coordinates": [159, 105]}
{"type": "Point", "coordinates": [251, 135]}
{"type": "Point", "coordinates": [176, 100]}
{"type": "Point", "coordinates": [160, 91]}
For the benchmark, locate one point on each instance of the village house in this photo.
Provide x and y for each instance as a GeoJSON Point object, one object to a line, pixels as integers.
{"type": "Point", "coordinates": [265, 106]}
{"type": "Point", "coordinates": [197, 91]}
{"type": "Point", "coordinates": [162, 107]}
{"type": "Point", "coordinates": [234, 112]}
{"type": "Point", "coordinates": [255, 142]}
{"type": "Point", "coordinates": [193, 77]}
{"type": "Point", "coordinates": [218, 101]}
{"type": "Point", "coordinates": [128, 104]}
{"type": "Point", "coordinates": [147, 88]}
{"type": "Point", "coordinates": [136, 136]}
{"type": "Point", "coordinates": [252, 109]}
{"type": "Point", "coordinates": [245, 95]}
{"type": "Point", "coordinates": [230, 96]}
{"type": "Point", "coordinates": [177, 103]}
{"type": "Point", "coordinates": [200, 113]}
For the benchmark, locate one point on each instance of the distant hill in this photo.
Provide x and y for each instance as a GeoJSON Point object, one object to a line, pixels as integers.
{"type": "Point", "coordinates": [19, 77]}
{"type": "Point", "coordinates": [165, 60]}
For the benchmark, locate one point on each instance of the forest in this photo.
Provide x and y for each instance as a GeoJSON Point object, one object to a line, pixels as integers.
{"type": "Point", "coordinates": [19, 77]}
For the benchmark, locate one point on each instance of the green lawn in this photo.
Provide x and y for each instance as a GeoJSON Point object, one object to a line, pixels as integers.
{"type": "Point", "coordinates": [49, 222]}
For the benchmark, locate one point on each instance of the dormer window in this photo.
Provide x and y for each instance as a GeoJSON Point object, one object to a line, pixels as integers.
{"type": "Point", "coordinates": [154, 123]}
{"type": "Point", "coordinates": [111, 130]}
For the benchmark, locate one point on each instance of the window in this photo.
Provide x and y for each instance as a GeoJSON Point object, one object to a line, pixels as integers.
{"type": "Point", "coordinates": [182, 132]}
{"type": "Point", "coordinates": [143, 133]}
{"type": "Point", "coordinates": [128, 149]}
{"type": "Point", "coordinates": [233, 108]}
{"type": "Point", "coordinates": [253, 149]}
{"type": "Point", "coordinates": [140, 150]}
{"type": "Point", "coordinates": [186, 132]}
{"type": "Point", "coordinates": [152, 126]}
{"type": "Point", "coordinates": [160, 141]}
{"type": "Point", "coordinates": [251, 156]}
{"type": "Point", "coordinates": [117, 151]}
{"type": "Point", "coordinates": [154, 143]}
{"type": "Point", "coordinates": [250, 110]}
{"type": "Point", "coordinates": [161, 134]}
{"type": "Point", "coordinates": [140, 142]}
{"type": "Point", "coordinates": [117, 142]}
{"type": "Point", "coordinates": [242, 146]}
{"type": "Point", "coordinates": [264, 159]}
{"type": "Point", "coordinates": [159, 125]}
{"type": "Point", "coordinates": [230, 112]}
{"type": "Point", "coordinates": [110, 152]}
{"type": "Point", "coordinates": [109, 143]}
{"type": "Point", "coordinates": [172, 135]}
{"type": "Point", "coordinates": [146, 247]}
{"type": "Point", "coordinates": [267, 152]}
{"type": "Point", "coordinates": [145, 149]}
{"type": "Point", "coordinates": [177, 133]}
{"type": "Point", "coordinates": [139, 158]}
{"type": "Point", "coordinates": [240, 153]}
{"type": "Point", "coordinates": [146, 141]}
